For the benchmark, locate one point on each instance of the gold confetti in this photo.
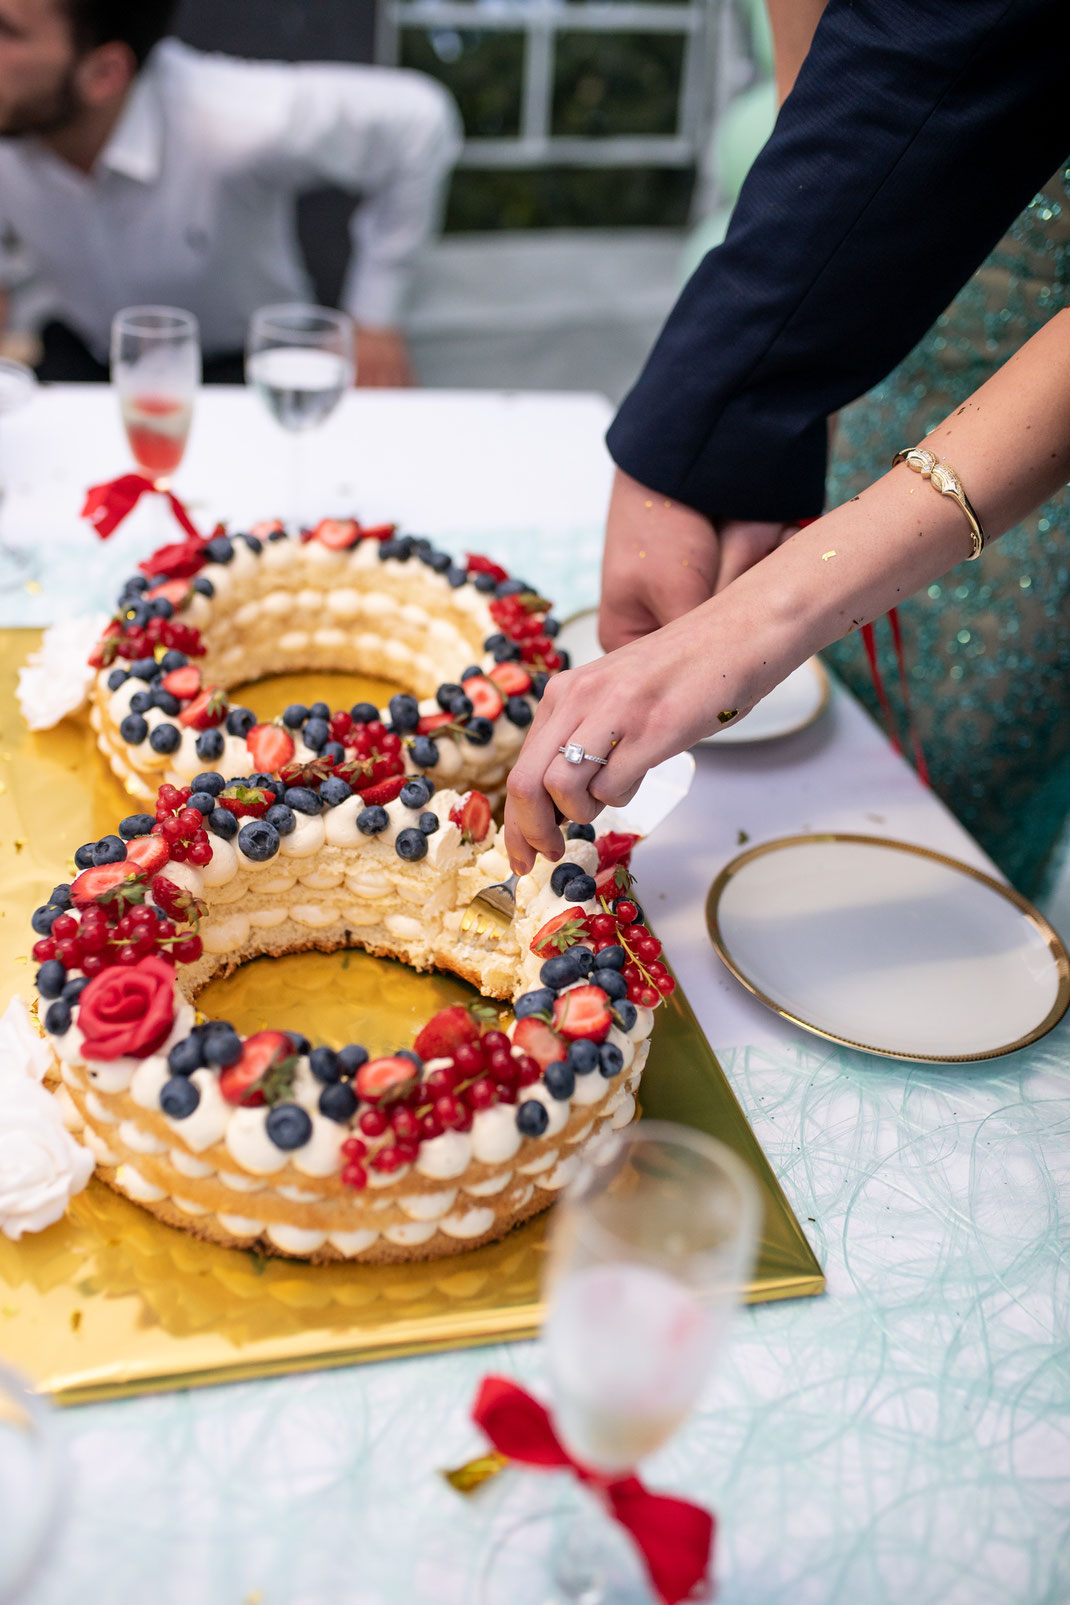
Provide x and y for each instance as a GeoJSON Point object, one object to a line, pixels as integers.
{"type": "Point", "coordinates": [256, 1597]}
{"type": "Point", "coordinates": [642, 554]}
{"type": "Point", "coordinates": [648, 504]}
{"type": "Point", "coordinates": [724, 717]}
{"type": "Point", "coordinates": [826, 555]}
{"type": "Point", "coordinates": [10, 1311]}
{"type": "Point", "coordinates": [467, 1478]}
{"type": "Point", "coordinates": [76, 1320]}
{"type": "Point", "coordinates": [19, 844]}
{"type": "Point", "coordinates": [741, 838]}
{"type": "Point", "coordinates": [32, 588]}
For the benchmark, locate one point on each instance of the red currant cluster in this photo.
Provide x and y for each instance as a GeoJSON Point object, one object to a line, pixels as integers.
{"type": "Point", "coordinates": [524, 627]}
{"type": "Point", "coordinates": [181, 827]}
{"type": "Point", "coordinates": [98, 939]}
{"type": "Point", "coordinates": [132, 641]}
{"type": "Point", "coordinates": [370, 744]}
{"type": "Point", "coordinates": [648, 979]}
{"type": "Point", "coordinates": [483, 1072]}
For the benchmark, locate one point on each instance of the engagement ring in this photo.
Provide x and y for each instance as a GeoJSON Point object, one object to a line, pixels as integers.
{"type": "Point", "coordinates": [574, 753]}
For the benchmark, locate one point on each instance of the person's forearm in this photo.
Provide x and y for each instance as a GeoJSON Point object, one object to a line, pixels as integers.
{"type": "Point", "coordinates": [793, 23]}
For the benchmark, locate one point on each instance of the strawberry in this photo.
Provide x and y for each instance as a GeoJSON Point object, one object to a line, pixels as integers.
{"type": "Point", "coordinates": [445, 1032]}
{"type": "Point", "coordinates": [183, 683]}
{"type": "Point", "coordinates": [266, 527]}
{"type": "Point", "coordinates": [206, 710]}
{"type": "Point", "coordinates": [583, 1012]}
{"type": "Point", "coordinates": [307, 774]}
{"type": "Point", "coordinates": [271, 746]}
{"type": "Point", "coordinates": [174, 591]}
{"type": "Point", "coordinates": [103, 654]}
{"type": "Point", "coordinates": [176, 902]}
{"type": "Point", "coordinates": [559, 933]}
{"type": "Point", "coordinates": [432, 721]}
{"type": "Point", "coordinates": [149, 853]}
{"type": "Point", "coordinates": [378, 532]}
{"type": "Point", "coordinates": [615, 847]}
{"type": "Point", "coordinates": [510, 678]}
{"type": "Point", "coordinates": [384, 792]}
{"type": "Point", "coordinates": [477, 564]}
{"type": "Point", "coordinates": [337, 533]}
{"type": "Point", "coordinates": [383, 1080]}
{"type": "Point", "coordinates": [92, 883]}
{"type": "Point", "coordinates": [606, 883]}
{"type": "Point", "coordinates": [486, 698]}
{"type": "Point", "coordinates": [239, 1082]}
{"type": "Point", "coordinates": [535, 1037]}
{"type": "Point", "coordinates": [472, 815]}
{"type": "Point", "coordinates": [238, 798]}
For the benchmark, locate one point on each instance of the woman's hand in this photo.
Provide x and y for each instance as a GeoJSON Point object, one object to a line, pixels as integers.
{"type": "Point", "coordinates": [660, 561]}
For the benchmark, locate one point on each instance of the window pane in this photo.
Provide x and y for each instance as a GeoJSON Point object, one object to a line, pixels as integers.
{"type": "Point", "coordinates": [569, 197]}
{"type": "Point", "coordinates": [626, 83]}
{"type": "Point", "coordinates": [483, 71]}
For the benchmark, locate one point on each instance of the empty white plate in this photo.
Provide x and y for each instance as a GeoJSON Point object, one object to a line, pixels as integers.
{"type": "Point", "coordinates": [888, 947]}
{"type": "Point", "coordinates": [795, 703]}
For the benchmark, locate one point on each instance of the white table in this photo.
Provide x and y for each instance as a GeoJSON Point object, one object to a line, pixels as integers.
{"type": "Point", "coordinates": [907, 1438]}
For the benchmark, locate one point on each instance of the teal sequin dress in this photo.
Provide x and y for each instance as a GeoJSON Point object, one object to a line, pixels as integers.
{"type": "Point", "coordinates": [988, 646]}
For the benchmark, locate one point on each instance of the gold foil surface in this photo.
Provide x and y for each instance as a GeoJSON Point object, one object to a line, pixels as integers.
{"type": "Point", "coordinates": [110, 1302]}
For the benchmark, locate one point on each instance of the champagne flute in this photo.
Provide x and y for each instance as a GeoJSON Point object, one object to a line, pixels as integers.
{"type": "Point", "coordinates": [31, 1487]}
{"type": "Point", "coordinates": [300, 360]}
{"type": "Point", "coordinates": [652, 1244]}
{"type": "Point", "coordinates": [156, 368]}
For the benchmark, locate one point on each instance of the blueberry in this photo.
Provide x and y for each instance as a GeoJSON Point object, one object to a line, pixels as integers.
{"type": "Point", "coordinates": [299, 1044]}
{"type": "Point", "coordinates": [411, 845]}
{"type": "Point", "coordinates": [539, 683]}
{"type": "Point", "coordinates": [456, 576]}
{"type": "Point", "coordinates": [579, 833]}
{"type": "Point", "coordinates": [253, 542]}
{"type": "Point", "coordinates": [179, 1097]}
{"type": "Point", "coordinates": [364, 713]}
{"type": "Point", "coordinates": [316, 734]}
{"type": "Point", "coordinates": [625, 1014]}
{"type": "Point", "coordinates": [116, 678]}
{"type": "Point", "coordinates": [550, 627]}
{"type": "Point", "coordinates": [610, 1060]}
{"type": "Point", "coordinates": [268, 783]}
{"type": "Point", "coordinates": [278, 535]}
{"type": "Point", "coordinates": [43, 918]}
{"type": "Point", "coordinates": [186, 1056]}
{"type": "Point", "coordinates": [74, 989]}
{"type": "Point", "coordinates": [164, 701]}
{"type": "Point", "coordinates": [219, 550]}
{"type": "Point", "coordinates": [338, 1102]}
{"type": "Point", "coordinates": [351, 1057]}
{"type": "Point", "coordinates": [203, 801]}
{"type": "Point", "coordinates": [583, 1056]}
{"type": "Point", "coordinates": [479, 732]}
{"type": "Point", "coordinates": [240, 721]}
{"type": "Point", "coordinates": [282, 818]}
{"type": "Point", "coordinates": [289, 1126]}
{"type": "Point", "coordinates": [531, 1118]}
{"type": "Point", "coordinates": [519, 712]}
{"type": "Point", "coordinates": [302, 799]}
{"type": "Point", "coordinates": [141, 702]}
{"type": "Point", "coordinates": [172, 660]}
{"type": "Point", "coordinates": [438, 562]}
{"type": "Point", "coordinates": [495, 640]}
{"type": "Point", "coordinates": [335, 750]}
{"type": "Point", "coordinates": [334, 790]}
{"type": "Point", "coordinates": [203, 586]}
{"type": "Point", "coordinates": [421, 546]}
{"type": "Point", "coordinates": [484, 583]}
{"type": "Point", "coordinates": [109, 850]}
{"type": "Point", "coordinates": [210, 780]}
{"type": "Point", "coordinates": [162, 608]}
{"type": "Point", "coordinates": [83, 856]}
{"type": "Point", "coordinates": [223, 823]}
{"type": "Point", "coordinates": [583, 957]}
{"type": "Point", "coordinates": [210, 745]}
{"type": "Point", "coordinates": [370, 821]}
{"type": "Point", "coordinates": [323, 1062]}
{"type": "Point", "coordinates": [510, 588]}
{"type": "Point", "coordinates": [220, 1044]}
{"type": "Point", "coordinates": [507, 652]}
{"type": "Point", "coordinates": [404, 712]}
{"type": "Point", "coordinates": [135, 611]}
{"type": "Point", "coordinates": [560, 970]}
{"type": "Point", "coordinates": [612, 983]}
{"type": "Point", "coordinates": [295, 715]}
{"type": "Point", "coordinates": [566, 658]}
{"type": "Point", "coordinates": [58, 1018]}
{"type": "Point", "coordinates": [133, 729]}
{"type": "Point", "coordinates": [560, 1079]}
{"type": "Point", "coordinates": [50, 979]}
{"type": "Point", "coordinates": [258, 840]}
{"type": "Point", "coordinates": [563, 873]}
{"type": "Point", "coordinates": [580, 889]}
{"type": "Point", "coordinates": [416, 793]}
{"type": "Point", "coordinates": [611, 958]}
{"type": "Point", "coordinates": [319, 710]}
{"type": "Point", "coordinates": [424, 752]}
{"type": "Point", "coordinates": [165, 738]}
{"type": "Point", "coordinates": [461, 706]}
{"type": "Point", "coordinates": [410, 1053]}
{"type": "Point", "coordinates": [145, 669]}
{"type": "Point", "coordinates": [429, 823]}
{"type": "Point", "coordinates": [135, 825]}
{"type": "Point", "coordinates": [390, 548]}
{"type": "Point", "coordinates": [538, 1002]}
{"type": "Point", "coordinates": [61, 896]}
{"type": "Point", "coordinates": [445, 694]}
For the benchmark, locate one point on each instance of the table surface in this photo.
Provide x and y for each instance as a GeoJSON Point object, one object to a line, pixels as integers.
{"type": "Point", "coordinates": [906, 1437]}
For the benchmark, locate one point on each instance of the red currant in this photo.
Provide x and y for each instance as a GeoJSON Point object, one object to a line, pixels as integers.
{"type": "Point", "coordinates": [92, 964]}
{"type": "Point", "coordinates": [501, 1059]}
{"type": "Point", "coordinates": [649, 997]}
{"type": "Point", "coordinates": [200, 853]}
{"type": "Point", "coordinates": [125, 926]}
{"type": "Point", "coordinates": [45, 949]}
{"type": "Point", "coordinates": [666, 985]}
{"type": "Point", "coordinates": [69, 952]}
{"type": "Point", "coordinates": [340, 725]}
{"type": "Point", "coordinates": [647, 948]}
{"type": "Point", "coordinates": [530, 1070]}
{"type": "Point", "coordinates": [165, 929]}
{"type": "Point", "coordinates": [128, 955]}
{"type": "Point", "coordinates": [469, 1058]}
{"type": "Point", "coordinates": [430, 1126]}
{"type": "Point", "coordinates": [190, 820]}
{"type": "Point", "coordinates": [481, 1094]}
{"type": "Point", "coordinates": [440, 1081]}
{"type": "Point", "coordinates": [632, 974]}
{"type": "Point", "coordinates": [495, 1039]}
{"type": "Point", "coordinates": [373, 1122]}
{"type": "Point", "coordinates": [355, 1176]}
{"type": "Point", "coordinates": [179, 852]}
{"type": "Point", "coordinates": [625, 910]}
{"type": "Point", "coordinates": [405, 1125]}
{"type": "Point", "coordinates": [172, 828]}
{"type": "Point", "coordinates": [353, 1148]}
{"type": "Point", "coordinates": [387, 1159]}
{"type": "Point", "coordinates": [65, 926]}
{"type": "Point", "coordinates": [602, 926]}
{"type": "Point", "coordinates": [407, 1151]}
{"type": "Point", "coordinates": [188, 949]}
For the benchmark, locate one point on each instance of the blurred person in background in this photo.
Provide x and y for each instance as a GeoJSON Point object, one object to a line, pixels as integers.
{"type": "Point", "coordinates": [135, 170]}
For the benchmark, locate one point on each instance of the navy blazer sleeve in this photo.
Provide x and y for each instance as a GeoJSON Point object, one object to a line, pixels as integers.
{"type": "Point", "coordinates": [916, 132]}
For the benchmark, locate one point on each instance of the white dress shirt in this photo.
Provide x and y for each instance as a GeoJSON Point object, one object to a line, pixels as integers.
{"type": "Point", "coordinates": [191, 203]}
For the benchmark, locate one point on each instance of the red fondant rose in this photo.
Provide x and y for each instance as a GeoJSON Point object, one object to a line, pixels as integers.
{"type": "Point", "coordinates": [128, 1010]}
{"type": "Point", "coordinates": [179, 561]}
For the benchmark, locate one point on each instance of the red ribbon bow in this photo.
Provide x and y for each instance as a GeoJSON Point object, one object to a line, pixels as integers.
{"type": "Point", "coordinates": [107, 505]}
{"type": "Point", "coordinates": [675, 1538]}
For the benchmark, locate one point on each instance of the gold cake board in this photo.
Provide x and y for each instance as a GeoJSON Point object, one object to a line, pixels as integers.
{"type": "Point", "coordinates": [109, 1302]}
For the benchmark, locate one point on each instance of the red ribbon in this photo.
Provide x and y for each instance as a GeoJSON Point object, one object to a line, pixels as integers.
{"type": "Point", "coordinates": [107, 505]}
{"type": "Point", "coordinates": [674, 1538]}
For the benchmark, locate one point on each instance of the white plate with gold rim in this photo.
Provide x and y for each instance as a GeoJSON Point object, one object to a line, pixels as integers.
{"type": "Point", "coordinates": [889, 947]}
{"type": "Point", "coordinates": [792, 705]}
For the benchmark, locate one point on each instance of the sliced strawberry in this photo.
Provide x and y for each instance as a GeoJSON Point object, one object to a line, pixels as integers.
{"type": "Point", "coordinates": [559, 933]}
{"type": "Point", "coordinates": [88, 886]}
{"type": "Point", "coordinates": [477, 564]}
{"type": "Point", "coordinates": [384, 792]}
{"type": "Point", "coordinates": [432, 721]}
{"type": "Point", "coordinates": [206, 710]}
{"type": "Point", "coordinates": [104, 652]}
{"type": "Point", "coordinates": [486, 698]}
{"type": "Point", "coordinates": [260, 1053]}
{"type": "Point", "coordinates": [472, 815]}
{"type": "Point", "coordinates": [510, 678]}
{"type": "Point", "coordinates": [176, 902]}
{"type": "Point", "coordinates": [535, 1037]}
{"type": "Point", "coordinates": [266, 527]}
{"type": "Point", "coordinates": [383, 1080]}
{"type": "Point", "coordinates": [239, 799]}
{"type": "Point", "coordinates": [337, 533]}
{"type": "Point", "coordinates": [183, 683]}
{"type": "Point", "coordinates": [606, 884]}
{"type": "Point", "coordinates": [445, 1032]}
{"type": "Point", "coordinates": [583, 1012]}
{"type": "Point", "coordinates": [271, 746]}
{"type": "Point", "coordinates": [377, 532]}
{"type": "Point", "coordinates": [174, 591]}
{"type": "Point", "coordinates": [149, 853]}
{"type": "Point", "coordinates": [615, 847]}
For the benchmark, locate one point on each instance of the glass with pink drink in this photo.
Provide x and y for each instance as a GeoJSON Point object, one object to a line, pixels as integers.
{"type": "Point", "coordinates": [156, 369]}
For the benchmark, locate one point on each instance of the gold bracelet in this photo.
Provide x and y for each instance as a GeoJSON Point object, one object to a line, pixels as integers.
{"type": "Point", "coordinates": [944, 479]}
